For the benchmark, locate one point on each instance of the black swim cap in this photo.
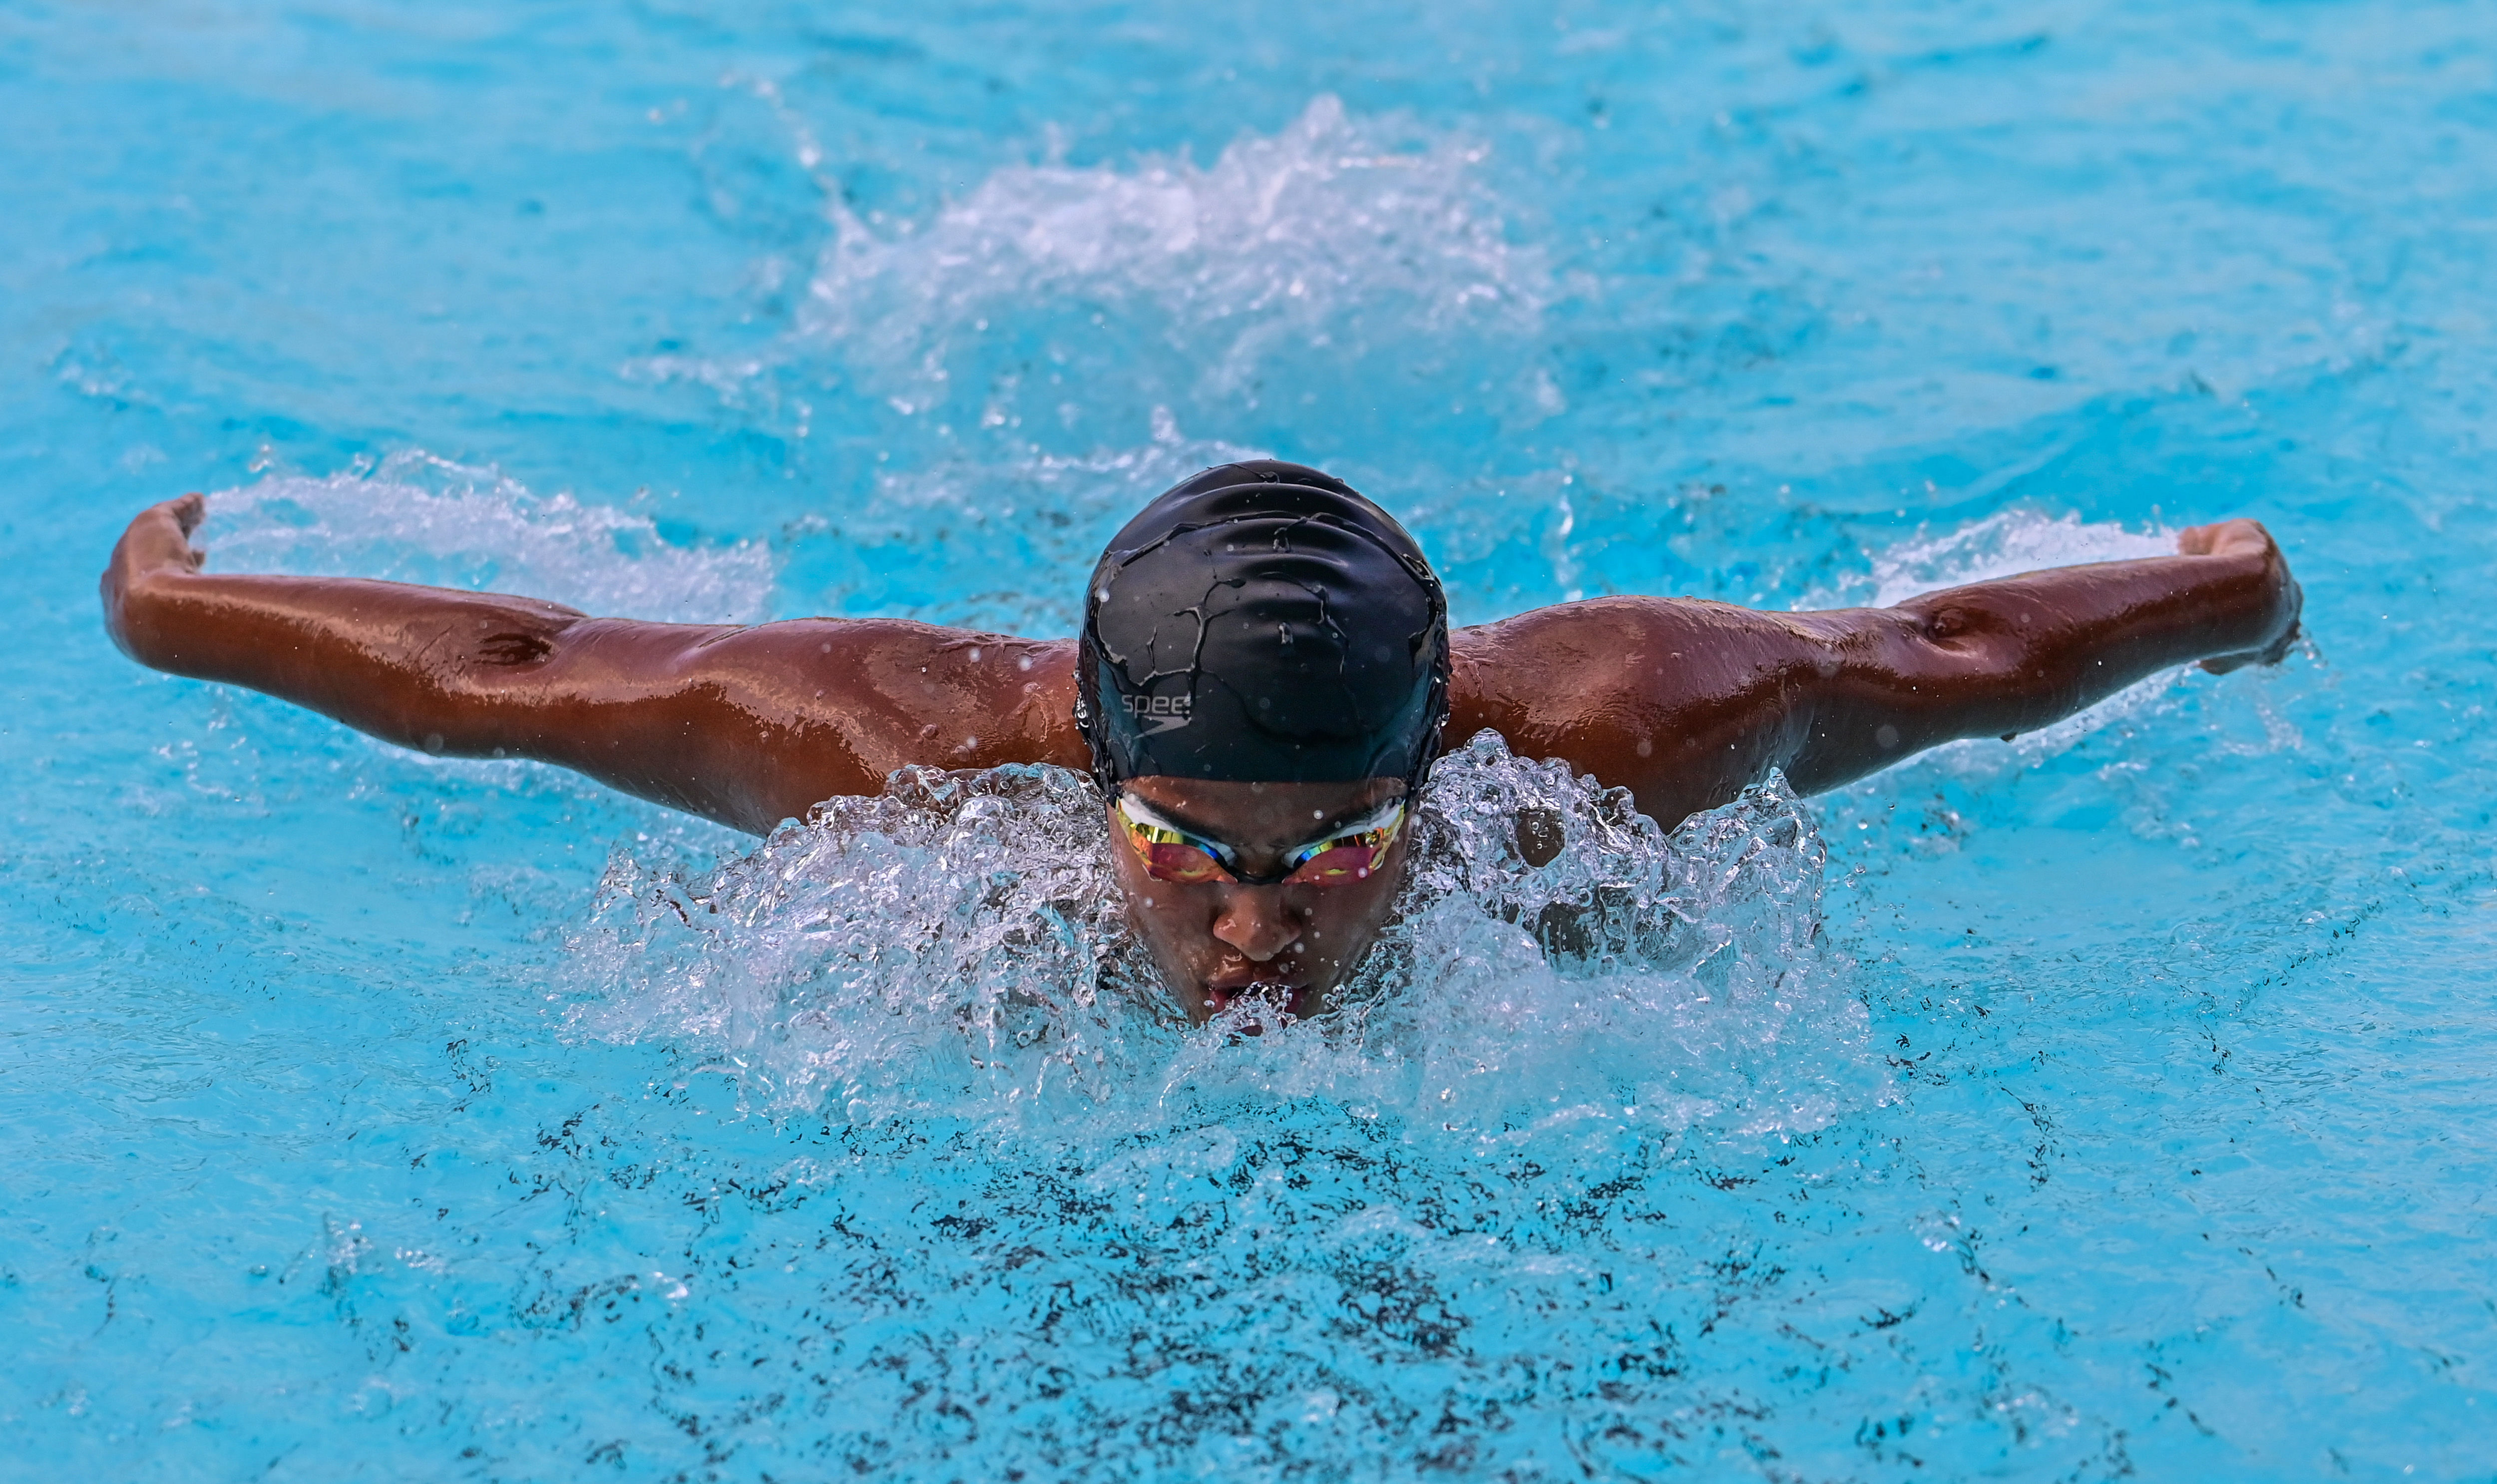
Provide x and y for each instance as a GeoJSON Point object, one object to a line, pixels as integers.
{"type": "Point", "coordinates": [1262, 621]}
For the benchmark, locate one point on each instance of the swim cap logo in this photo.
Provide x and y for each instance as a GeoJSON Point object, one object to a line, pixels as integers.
{"type": "Point", "coordinates": [1163, 712]}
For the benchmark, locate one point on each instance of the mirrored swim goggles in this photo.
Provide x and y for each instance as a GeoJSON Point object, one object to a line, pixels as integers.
{"type": "Point", "coordinates": [1347, 854]}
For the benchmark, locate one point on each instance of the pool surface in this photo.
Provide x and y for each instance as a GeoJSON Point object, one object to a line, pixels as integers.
{"type": "Point", "coordinates": [2111, 1104]}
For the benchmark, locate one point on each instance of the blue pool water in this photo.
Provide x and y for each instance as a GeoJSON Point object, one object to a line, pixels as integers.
{"type": "Point", "coordinates": [2113, 1104]}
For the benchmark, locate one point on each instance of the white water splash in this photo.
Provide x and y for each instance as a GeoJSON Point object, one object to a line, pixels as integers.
{"type": "Point", "coordinates": [1356, 275]}
{"type": "Point", "coordinates": [420, 519]}
{"type": "Point", "coordinates": [956, 947]}
{"type": "Point", "coordinates": [1303, 238]}
{"type": "Point", "coordinates": [2003, 545]}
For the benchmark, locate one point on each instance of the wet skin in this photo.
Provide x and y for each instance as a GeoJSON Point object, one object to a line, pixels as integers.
{"type": "Point", "coordinates": [1682, 701]}
{"type": "Point", "coordinates": [1290, 945]}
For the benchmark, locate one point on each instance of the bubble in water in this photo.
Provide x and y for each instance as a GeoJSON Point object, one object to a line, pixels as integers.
{"type": "Point", "coordinates": [957, 947]}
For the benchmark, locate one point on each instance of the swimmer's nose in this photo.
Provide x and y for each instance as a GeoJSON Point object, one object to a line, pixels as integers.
{"type": "Point", "coordinates": [1254, 920]}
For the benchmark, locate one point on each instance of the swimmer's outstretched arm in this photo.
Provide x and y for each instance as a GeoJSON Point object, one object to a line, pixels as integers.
{"type": "Point", "coordinates": [745, 725]}
{"type": "Point", "coordinates": [1683, 702]}
{"type": "Point", "coordinates": [1686, 702]}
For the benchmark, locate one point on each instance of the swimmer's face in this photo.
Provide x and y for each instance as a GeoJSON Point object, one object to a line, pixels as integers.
{"type": "Point", "coordinates": [1293, 942]}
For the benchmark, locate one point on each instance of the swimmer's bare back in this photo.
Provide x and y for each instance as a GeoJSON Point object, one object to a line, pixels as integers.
{"type": "Point", "coordinates": [1683, 701]}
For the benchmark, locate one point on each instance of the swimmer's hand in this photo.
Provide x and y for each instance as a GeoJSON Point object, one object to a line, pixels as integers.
{"type": "Point", "coordinates": [2244, 540]}
{"type": "Point", "coordinates": [156, 544]}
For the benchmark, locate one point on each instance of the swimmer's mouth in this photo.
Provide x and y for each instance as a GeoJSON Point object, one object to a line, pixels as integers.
{"type": "Point", "coordinates": [1291, 1002]}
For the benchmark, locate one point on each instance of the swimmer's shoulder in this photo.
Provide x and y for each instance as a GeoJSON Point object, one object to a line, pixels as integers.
{"type": "Point", "coordinates": [900, 691]}
{"type": "Point", "coordinates": [1592, 643]}
{"type": "Point", "coordinates": [1683, 701]}
{"type": "Point", "coordinates": [1592, 680]}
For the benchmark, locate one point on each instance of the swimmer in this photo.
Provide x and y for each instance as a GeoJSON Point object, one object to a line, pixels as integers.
{"type": "Point", "coordinates": [1264, 676]}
